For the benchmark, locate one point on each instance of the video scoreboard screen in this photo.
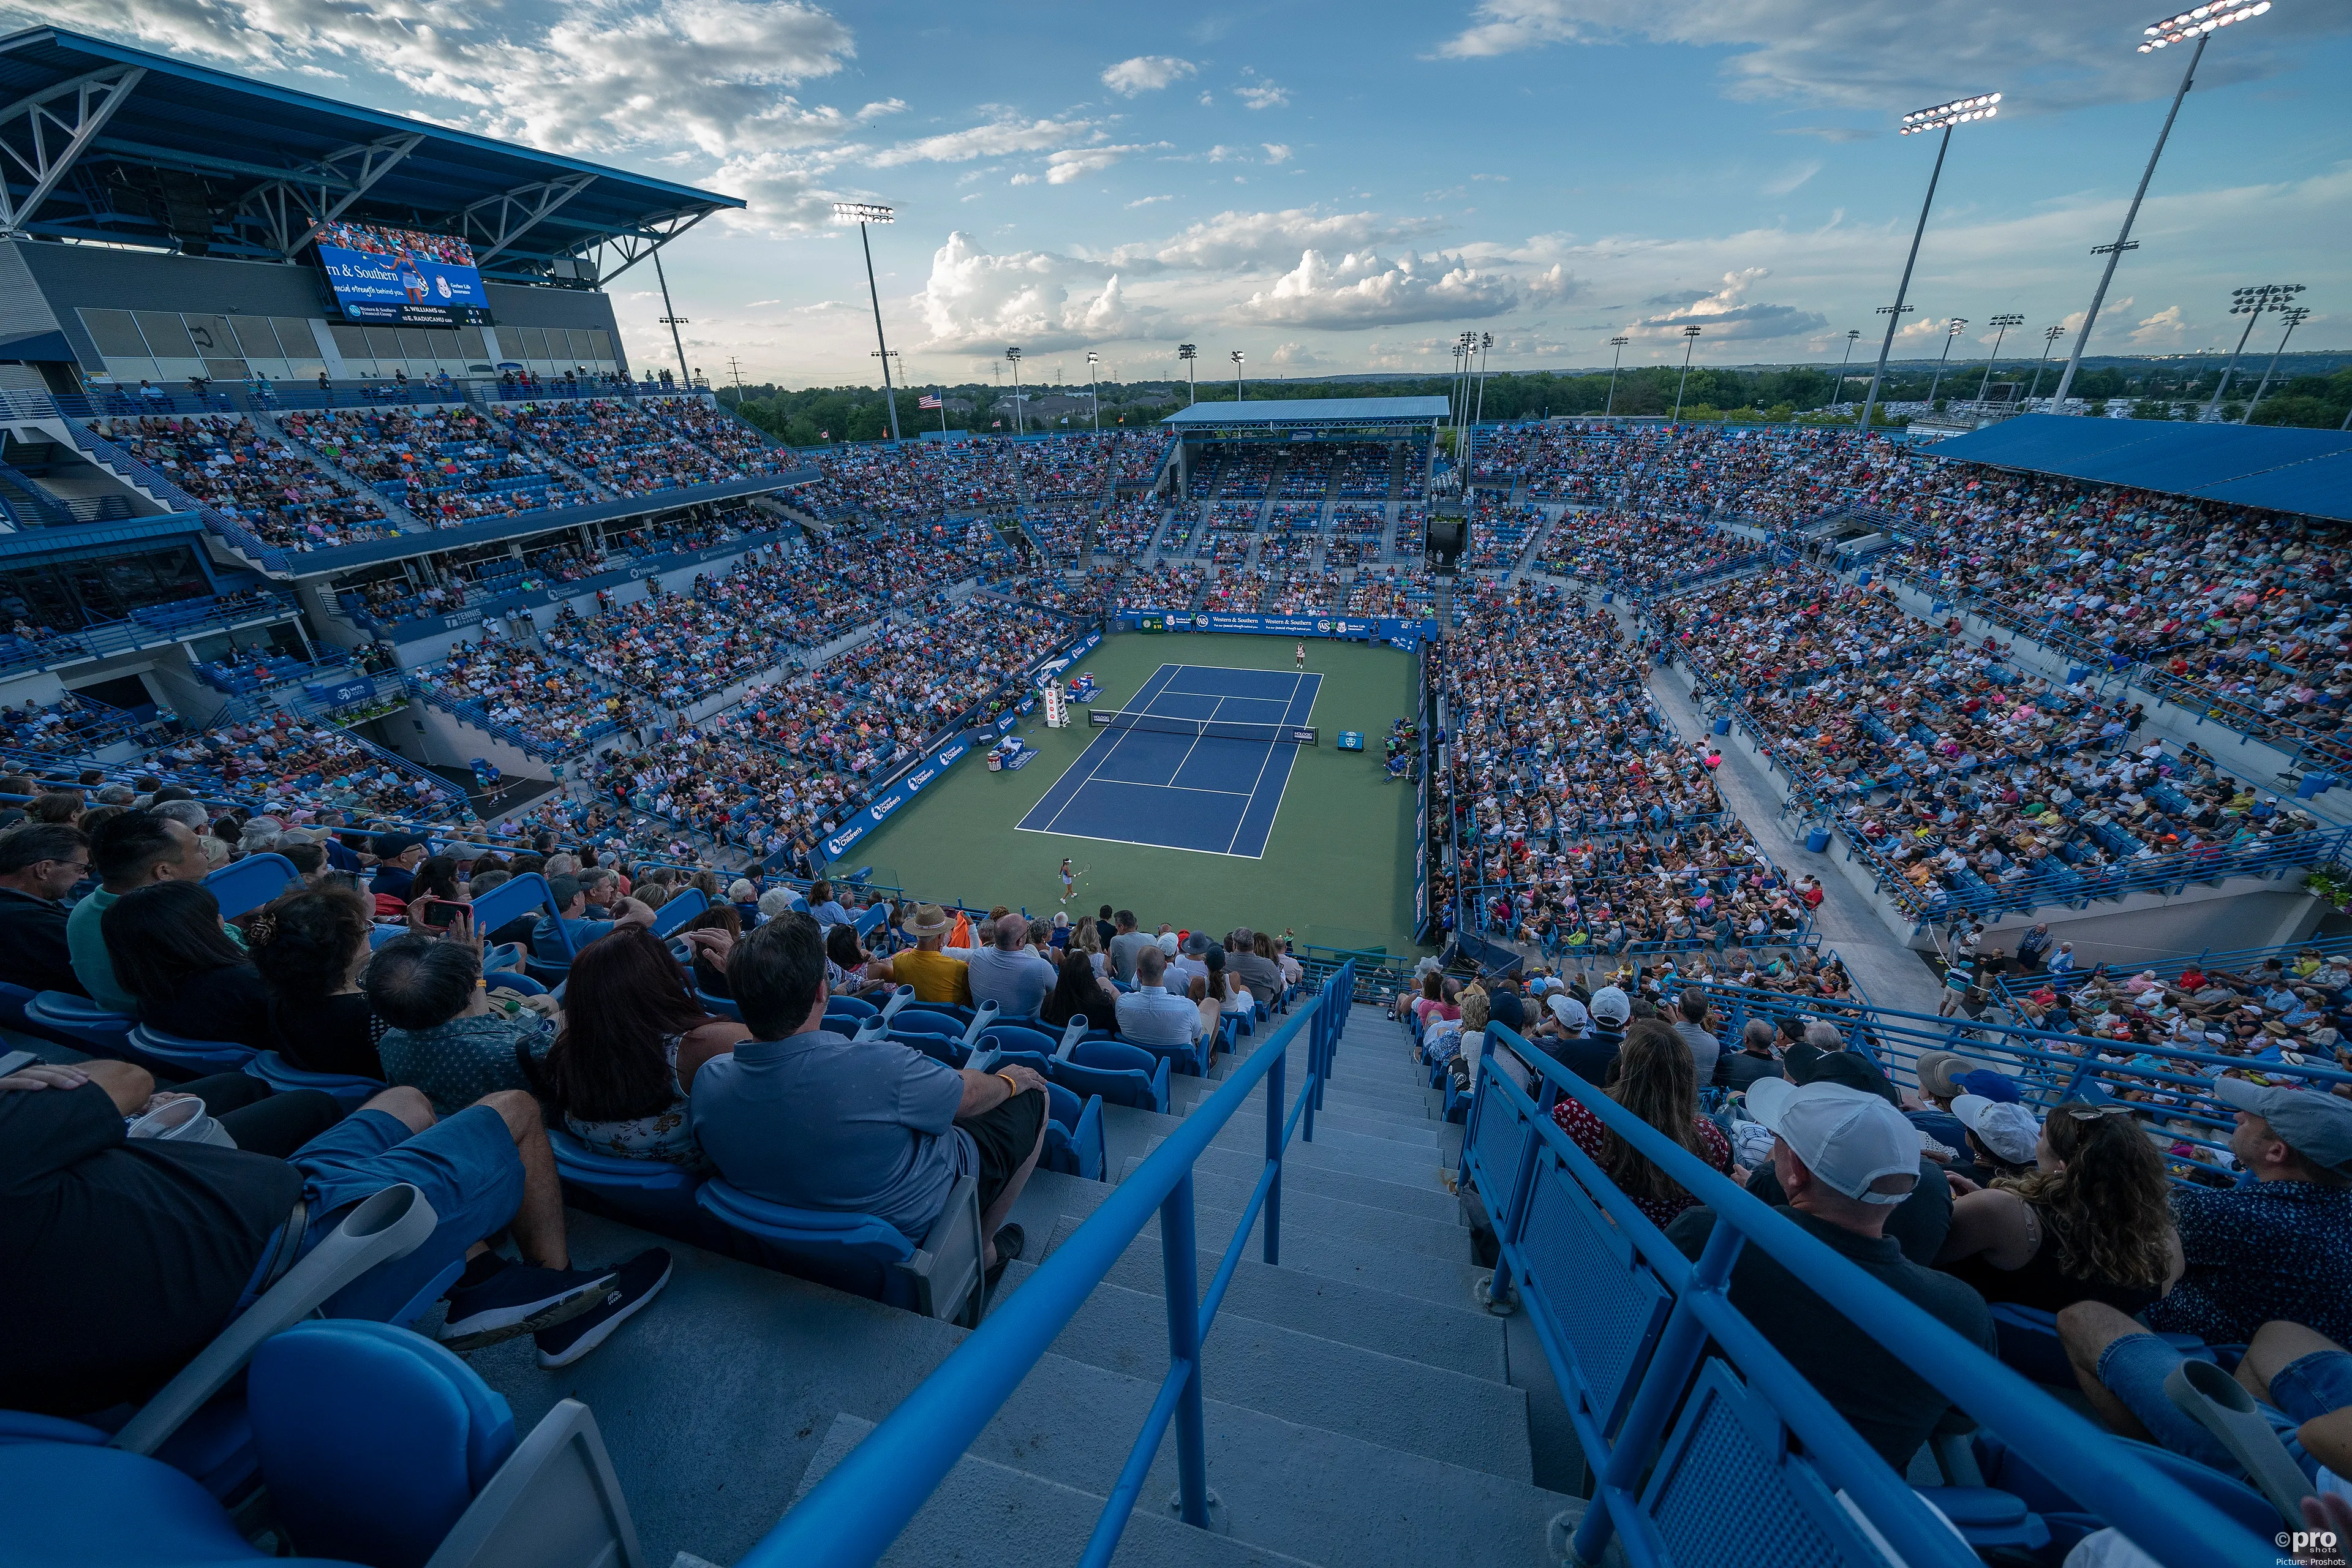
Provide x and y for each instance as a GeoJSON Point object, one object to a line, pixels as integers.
{"type": "Point", "coordinates": [401, 277]}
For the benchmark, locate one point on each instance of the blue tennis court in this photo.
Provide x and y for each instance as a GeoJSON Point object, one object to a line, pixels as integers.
{"type": "Point", "coordinates": [1212, 794]}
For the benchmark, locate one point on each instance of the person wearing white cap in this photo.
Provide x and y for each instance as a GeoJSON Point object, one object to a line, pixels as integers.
{"type": "Point", "coordinates": [2004, 1134]}
{"type": "Point", "coordinates": [1845, 1159]}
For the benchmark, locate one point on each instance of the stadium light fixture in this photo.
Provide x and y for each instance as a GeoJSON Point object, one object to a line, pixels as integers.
{"type": "Point", "coordinates": [1485, 347]}
{"type": "Point", "coordinates": [1690, 341]}
{"type": "Point", "coordinates": [1093, 381]}
{"type": "Point", "coordinates": [2294, 316]}
{"type": "Point", "coordinates": [2049, 336]}
{"type": "Point", "coordinates": [671, 319]}
{"type": "Point", "coordinates": [2001, 325]}
{"type": "Point", "coordinates": [1237, 375]}
{"type": "Point", "coordinates": [1189, 353]}
{"type": "Point", "coordinates": [1019, 426]}
{"type": "Point", "coordinates": [2200, 23]}
{"type": "Point", "coordinates": [1619, 344]}
{"type": "Point", "coordinates": [1837, 393]}
{"type": "Point", "coordinates": [2249, 302]}
{"type": "Point", "coordinates": [861, 213]}
{"type": "Point", "coordinates": [1942, 117]}
{"type": "Point", "coordinates": [1951, 335]}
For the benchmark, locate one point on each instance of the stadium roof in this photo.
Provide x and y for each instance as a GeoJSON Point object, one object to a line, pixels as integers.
{"type": "Point", "coordinates": [140, 149]}
{"type": "Point", "coordinates": [2304, 471]}
{"type": "Point", "coordinates": [1277, 413]}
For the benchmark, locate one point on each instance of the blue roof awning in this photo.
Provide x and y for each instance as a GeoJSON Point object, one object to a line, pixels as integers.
{"type": "Point", "coordinates": [2308, 472]}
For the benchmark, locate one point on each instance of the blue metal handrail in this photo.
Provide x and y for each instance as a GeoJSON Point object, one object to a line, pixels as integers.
{"type": "Point", "coordinates": [2080, 1459]}
{"type": "Point", "coordinates": [853, 1515]}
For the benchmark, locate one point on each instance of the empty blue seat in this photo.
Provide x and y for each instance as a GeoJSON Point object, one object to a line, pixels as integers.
{"type": "Point", "coordinates": [860, 1253]}
{"type": "Point", "coordinates": [652, 1194]}
{"type": "Point", "coordinates": [79, 1021]}
{"type": "Point", "coordinates": [179, 1054]}
{"type": "Point", "coordinates": [280, 1074]}
{"type": "Point", "coordinates": [1121, 1073]}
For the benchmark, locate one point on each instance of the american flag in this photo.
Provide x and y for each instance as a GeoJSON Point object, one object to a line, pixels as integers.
{"type": "Point", "coordinates": [927, 401]}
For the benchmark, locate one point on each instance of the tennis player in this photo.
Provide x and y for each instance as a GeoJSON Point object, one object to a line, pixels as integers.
{"type": "Point", "coordinates": [1302, 656]}
{"type": "Point", "coordinates": [1070, 882]}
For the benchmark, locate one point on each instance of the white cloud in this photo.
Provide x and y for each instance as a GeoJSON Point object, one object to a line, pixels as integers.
{"type": "Point", "coordinates": [1022, 180]}
{"type": "Point", "coordinates": [1790, 178]}
{"type": "Point", "coordinates": [1263, 95]}
{"type": "Point", "coordinates": [1145, 73]}
{"type": "Point", "coordinates": [993, 140]}
{"type": "Point", "coordinates": [1872, 55]}
{"type": "Point", "coordinates": [1147, 201]}
{"type": "Point", "coordinates": [1296, 356]}
{"type": "Point", "coordinates": [1362, 289]}
{"type": "Point", "coordinates": [2168, 329]}
{"type": "Point", "coordinates": [1728, 313]}
{"type": "Point", "coordinates": [1232, 241]}
{"type": "Point", "coordinates": [1034, 297]}
{"type": "Point", "coordinates": [1071, 163]}
{"type": "Point", "coordinates": [1276, 151]}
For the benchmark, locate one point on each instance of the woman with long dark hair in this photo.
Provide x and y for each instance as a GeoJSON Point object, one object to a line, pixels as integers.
{"type": "Point", "coordinates": [311, 946]}
{"type": "Point", "coordinates": [170, 951]}
{"type": "Point", "coordinates": [1657, 1082]}
{"type": "Point", "coordinates": [2091, 1221]}
{"type": "Point", "coordinates": [1077, 990]}
{"type": "Point", "coordinates": [633, 1038]}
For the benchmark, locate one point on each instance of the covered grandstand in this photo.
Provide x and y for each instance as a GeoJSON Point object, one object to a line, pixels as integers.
{"type": "Point", "coordinates": [2304, 472]}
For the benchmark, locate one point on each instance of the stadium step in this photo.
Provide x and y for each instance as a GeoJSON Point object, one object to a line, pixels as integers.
{"type": "Point", "coordinates": [1335, 1218]}
{"type": "Point", "coordinates": [1422, 1200]}
{"type": "Point", "coordinates": [1421, 1130]}
{"type": "Point", "coordinates": [1443, 1281]}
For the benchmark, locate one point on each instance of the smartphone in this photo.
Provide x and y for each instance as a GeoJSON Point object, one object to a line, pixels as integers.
{"type": "Point", "coordinates": [440, 913]}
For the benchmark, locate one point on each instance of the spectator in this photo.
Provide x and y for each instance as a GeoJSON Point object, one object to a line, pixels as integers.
{"type": "Point", "coordinates": [1656, 1082]}
{"type": "Point", "coordinates": [447, 1033]}
{"type": "Point", "coordinates": [1191, 962]}
{"type": "Point", "coordinates": [1149, 1015]}
{"type": "Point", "coordinates": [717, 917]}
{"type": "Point", "coordinates": [1079, 991]}
{"type": "Point", "coordinates": [570, 897]}
{"type": "Point", "coordinates": [126, 1257]}
{"type": "Point", "coordinates": [849, 969]}
{"type": "Point", "coordinates": [935, 976]}
{"type": "Point", "coordinates": [1505, 1006]}
{"type": "Point", "coordinates": [1250, 957]}
{"type": "Point", "coordinates": [633, 1040]}
{"type": "Point", "coordinates": [823, 907]}
{"type": "Point", "coordinates": [40, 865]}
{"type": "Point", "coordinates": [1007, 972]}
{"type": "Point", "coordinates": [311, 947]}
{"type": "Point", "coordinates": [1845, 1159]}
{"type": "Point", "coordinates": [397, 856]}
{"type": "Point", "coordinates": [1214, 995]}
{"type": "Point", "coordinates": [1125, 943]}
{"type": "Point", "coordinates": [171, 952]}
{"type": "Point", "coordinates": [2002, 1138]}
{"type": "Point", "coordinates": [131, 851]}
{"type": "Point", "coordinates": [2089, 1223]}
{"type": "Point", "coordinates": [799, 1115]}
{"type": "Point", "coordinates": [1755, 1059]}
{"type": "Point", "coordinates": [1688, 1016]}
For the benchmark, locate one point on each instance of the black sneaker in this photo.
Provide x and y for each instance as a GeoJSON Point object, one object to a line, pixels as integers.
{"type": "Point", "coordinates": [635, 1282]}
{"type": "Point", "coordinates": [520, 1299]}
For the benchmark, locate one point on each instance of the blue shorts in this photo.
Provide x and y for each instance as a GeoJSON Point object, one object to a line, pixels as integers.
{"type": "Point", "coordinates": [2134, 1369]}
{"type": "Point", "coordinates": [466, 1165]}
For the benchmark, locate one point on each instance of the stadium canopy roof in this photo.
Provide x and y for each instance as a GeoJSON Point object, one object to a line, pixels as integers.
{"type": "Point", "coordinates": [1276, 414]}
{"type": "Point", "coordinates": [2304, 471]}
{"type": "Point", "coordinates": [115, 144]}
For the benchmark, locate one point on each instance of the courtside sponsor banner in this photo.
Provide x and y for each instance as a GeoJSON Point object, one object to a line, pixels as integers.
{"type": "Point", "coordinates": [1053, 667]}
{"type": "Point", "coordinates": [1404, 633]}
{"type": "Point", "coordinates": [871, 816]}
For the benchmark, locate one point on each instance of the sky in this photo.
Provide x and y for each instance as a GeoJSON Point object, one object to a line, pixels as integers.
{"type": "Point", "coordinates": [1334, 188]}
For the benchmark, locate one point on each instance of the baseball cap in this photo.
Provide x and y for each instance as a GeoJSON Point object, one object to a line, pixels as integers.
{"type": "Point", "coordinates": [388, 844]}
{"type": "Point", "coordinates": [1168, 942]}
{"type": "Point", "coordinates": [1609, 1005]}
{"type": "Point", "coordinates": [2315, 1124]}
{"type": "Point", "coordinates": [2007, 1129]}
{"type": "Point", "coordinates": [1569, 1011]}
{"type": "Point", "coordinates": [1937, 1072]}
{"type": "Point", "coordinates": [1986, 1083]}
{"type": "Point", "coordinates": [1848, 1139]}
{"type": "Point", "coordinates": [562, 890]}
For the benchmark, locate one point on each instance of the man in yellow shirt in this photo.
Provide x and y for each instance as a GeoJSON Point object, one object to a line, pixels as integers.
{"type": "Point", "coordinates": [935, 976]}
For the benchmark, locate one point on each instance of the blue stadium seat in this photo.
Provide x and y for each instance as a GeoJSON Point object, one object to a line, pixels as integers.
{"type": "Point", "coordinates": [280, 1074]}
{"type": "Point", "coordinates": [1074, 1135]}
{"type": "Point", "coordinates": [176, 1053]}
{"type": "Point", "coordinates": [652, 1194]}
{"type": "Point", "coordinates": [1119, 1073]}
{"type": "Point", "coordinates": [859, 1253]}
{"type": "Point", "coordinates": [14, 1000]}
{"type": "Point", "coordinates": [851, 1007]}
{"type": "Point", "coordinates": [61, 1015]}
{"type": "Point", "coordinates": [377, 1446]}
{"type": "Point", "coordinates": [247, 884]}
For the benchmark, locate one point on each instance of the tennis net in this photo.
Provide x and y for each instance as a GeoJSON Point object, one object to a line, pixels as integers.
{"type": "Point", "coordinates": [1209, 728]}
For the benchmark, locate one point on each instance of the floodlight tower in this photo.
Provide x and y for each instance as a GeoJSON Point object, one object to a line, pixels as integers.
{"type": "Point", "coordinates": [2001, 325]}
{"type": "Point", "coordinates": [1943, 117]}
{"type": "Point", "coordinates": [1619, 344]}
{"type": "Point", "coordinates": [1837, 393]}
{"type": "Point", "coordinates": [1189, 353]}
{"type": "Point", "coordinates": [2049, 336]}
{"type": "Point", "coordinates": [1951, 334]}
{"type": "Point", "coordinates": [1690, 341]}
{"type": "Point", "coordinates": [2294, 316]}
{"type": "Point", "coordinates": [1237, 375]}
{"type": "Point", "coordinates": [2200, 24]}
{"type": "Point", "coordinates": [1094, 383]}
{"type": "Point", "coordinates": [2249, 303]}
{"type": "Point", "coordinates": [861, 213]}
{"type": "Point", "coordinates": [1019, 426]}
{"type": "Point", "coordinates": [1486, 347]}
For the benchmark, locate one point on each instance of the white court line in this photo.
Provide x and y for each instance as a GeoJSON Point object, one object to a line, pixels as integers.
{"type": "Point", "coordinates": [1103, 759]}
{"type": "Point", "coordinates": [1285, 792]}
{"type": "Point", "coordinates": [1146, 843]}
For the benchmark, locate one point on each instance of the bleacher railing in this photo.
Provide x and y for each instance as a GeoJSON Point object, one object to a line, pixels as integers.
{"type": "Point", "coordinates": [2232, 961]}
{"type": "Point", "coordinates": [1625, 1322]}
{"type": "Point", "coordinates": [2173, 1083]}
{"type": "Point", "coordinates": [853, 1515]}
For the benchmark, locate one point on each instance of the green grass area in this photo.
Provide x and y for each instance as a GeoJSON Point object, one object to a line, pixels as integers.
{"type": "Point", "coordinates": [1337, 870]}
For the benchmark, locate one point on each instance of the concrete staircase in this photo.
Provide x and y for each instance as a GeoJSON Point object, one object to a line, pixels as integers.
{"type": "Point", "coordinates": [1361, 1409]}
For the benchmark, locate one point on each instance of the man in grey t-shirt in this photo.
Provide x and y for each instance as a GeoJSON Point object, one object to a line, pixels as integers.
{"type": "Point", "coordinates": [1126, 945]}
{"type": "Point", "coordinates": [1689, 1019]}
{"type": "Point", "coordinates": [1262, 975]}
{"type": "Point", "coordinates": [1009, 973]}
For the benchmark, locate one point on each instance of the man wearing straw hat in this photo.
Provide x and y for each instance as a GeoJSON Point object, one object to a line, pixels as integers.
{"type": "Point", "coordinates": [935, 976]}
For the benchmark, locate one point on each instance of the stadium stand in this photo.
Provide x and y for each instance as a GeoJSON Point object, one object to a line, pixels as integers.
{"type": "Point", "coordinates": [674, 648]}
{"type": "Point", "coordinates": [443, 465]}
{"type": "Point", "coordinates": [282, 497]}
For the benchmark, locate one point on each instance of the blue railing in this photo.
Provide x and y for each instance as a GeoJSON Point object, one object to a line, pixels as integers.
{"type": "Point", "coordinates": [1626, 1321]}
{"type": "Point", "coordinates": [855, 1512]}
{"type": "Point", "coordinates": [2233, 960]}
